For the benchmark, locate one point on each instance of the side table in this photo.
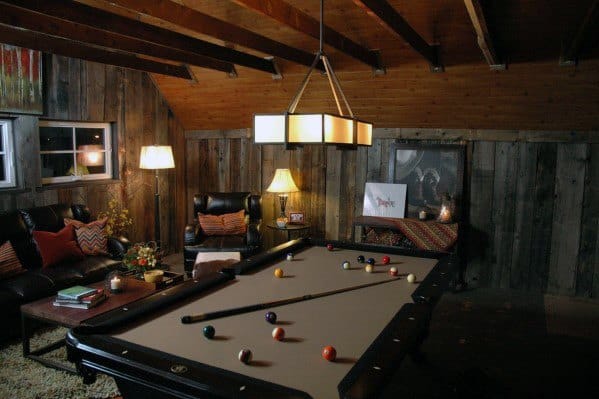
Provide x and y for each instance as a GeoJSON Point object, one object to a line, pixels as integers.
{"type": "Point", "coordinates": [300, 229]}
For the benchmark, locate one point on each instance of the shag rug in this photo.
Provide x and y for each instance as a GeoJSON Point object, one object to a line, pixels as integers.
{"type": "Point", "coordinates": [27, 379]}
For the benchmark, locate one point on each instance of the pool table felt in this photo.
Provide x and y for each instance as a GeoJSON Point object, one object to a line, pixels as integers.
{"type": "Point", "coordinates": [349, 321]}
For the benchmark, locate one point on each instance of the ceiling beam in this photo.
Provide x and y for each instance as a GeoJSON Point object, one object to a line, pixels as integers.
{"type": "Point", "coordinates": [382, 11]}
{"type": "Point", "coordinates": [302, 22]}
{"type": "Point", "coordinates": [199, 22]}
{"type": "Point", "coordinates": [96, 18]}
{"type": "Point", "coordinates": [214, 57]}
{"type": "Point", "coordinates": [589, 28]}
{"type": "Point", "coordinates": [68, 48]}
{"type": "Point", "coordinates": [483, 36]}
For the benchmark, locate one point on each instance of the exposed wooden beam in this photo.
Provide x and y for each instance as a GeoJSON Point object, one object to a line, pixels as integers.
{"type": "Point", "coordinates": [68, 48]}
{"type": "Point", "coordinates": [483, 36]}
{"type": "Point", "coordinates": [589, 28]}
{"type": "Point", "coordinates": [197, 21]}
{"type": "Point", "coordinates": [302, 22]}
{"type": "Point", "coordinates": [80, 13]}
{"type": "Point", "coordinates": [382, 11]}
{"type": "Point", "coordinates": [21, 17]}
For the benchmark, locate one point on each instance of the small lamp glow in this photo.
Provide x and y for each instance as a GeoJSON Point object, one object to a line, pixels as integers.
{"type": "Point", "coordinates": [283, 184]}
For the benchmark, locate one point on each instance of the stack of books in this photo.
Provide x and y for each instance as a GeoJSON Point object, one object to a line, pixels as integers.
{"type": "Point", "coordinates": [79, 297]}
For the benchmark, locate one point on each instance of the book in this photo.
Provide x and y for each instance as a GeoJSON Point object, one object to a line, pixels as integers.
{"type": "Point", "coordinates": [92, 299]}
{"type": "Point", "coordinates": [76, 292]}
{"type": "Point", "coordinates": [79, 305]}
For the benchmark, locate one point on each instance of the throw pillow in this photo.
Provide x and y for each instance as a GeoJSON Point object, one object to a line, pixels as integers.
{"type": "Point", "coordinates": [9, 262]}
{"type": "Point", "coordinates": [91, 237]}
{"type": "Point", "coordinates": [227, 224]}
{"type": "Point", "coordinates": [57, 247]}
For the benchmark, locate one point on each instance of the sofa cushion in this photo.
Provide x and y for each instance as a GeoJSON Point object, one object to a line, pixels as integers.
{"type": "Point", "coordinates": [47, 218]}
{"type": "Point", "coordinates": [95, 268]}
{"type": "Point", "coordinates": [29, 286]}
{"type": "Point", "coordinates": [91, 237]}
{"type": "Point", "coordinates": [9, 262]}
{"type": "Point", "coordinates": [16, 230]}
{"type": "Point", "coordinates": [57, 247]}
{"type": "Point", "coordinates": [62, 276]}
{"type": "Point", "coordinates": [226, 224]}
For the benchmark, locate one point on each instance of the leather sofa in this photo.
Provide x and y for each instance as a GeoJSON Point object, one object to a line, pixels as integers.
{"type": "Point", "coordinates": [217, 203]}
{"type": "Point", "coordinates": [38, 282]}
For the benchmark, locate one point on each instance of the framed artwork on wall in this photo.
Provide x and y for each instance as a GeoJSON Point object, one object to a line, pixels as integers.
{"type": "Point", "coordinates": [429, 171]}
{"type": "Point", "coordinates": [384, 200]}
{"type": "Point", "coordinates": [20, 80]}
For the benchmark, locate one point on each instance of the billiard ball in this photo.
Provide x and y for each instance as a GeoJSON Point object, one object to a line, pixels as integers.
{"type": "Point", "coordinates": [245, 356]}
{"type": "Point", "coordinates": [290, 256]}
{"type": "Point", "coordinates": [393, 271]}
{"type": "Point", "coordinates": [279, 272]}
{"type": "Point", "coordinates": [386, 260]}
{"type": "Point", "coordinates": [371, 261]}
{"type": "Point", "coordinates": [360, 258]}
{"type": "Point", "coordinates": [411, 278]}
{"type": "Point", "coordinates": [209, 332]}
{"type": "Point", "coordinates": [278, 333]}
{"type": "Point", "coordinates": [345, 265]}
{"type": "Point", "coordinates": [368, 268]}
{"type": "Point", "coordinates": [329, 353]}
{"type": "Point", "coordinates": [271, 317]}
{"type": "Point", "coordinates": [330, 247]}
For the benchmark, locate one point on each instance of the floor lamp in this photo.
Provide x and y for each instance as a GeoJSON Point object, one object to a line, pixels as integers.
{"type": "Point", "coordinates": [156, 157]}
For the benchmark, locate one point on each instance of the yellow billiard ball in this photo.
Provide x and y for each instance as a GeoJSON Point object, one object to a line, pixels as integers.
{"type": "Point", "coordinates": [279, 272]}
{"type": "Point", "coordinates": [368, 268]}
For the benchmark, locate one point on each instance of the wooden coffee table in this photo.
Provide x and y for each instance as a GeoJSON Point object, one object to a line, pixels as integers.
{"type": "Point", "coordinates": [43, 310]}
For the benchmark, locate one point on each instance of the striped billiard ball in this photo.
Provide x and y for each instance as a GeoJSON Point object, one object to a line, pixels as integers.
{"type": "Point", "coordinates": [245, 356]}
{"type": "Point", "coordinates": [278, 333]}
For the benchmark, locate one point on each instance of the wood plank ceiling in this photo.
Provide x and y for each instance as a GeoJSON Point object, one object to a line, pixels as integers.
{"type": "Point", "coordinates": [218, 62]}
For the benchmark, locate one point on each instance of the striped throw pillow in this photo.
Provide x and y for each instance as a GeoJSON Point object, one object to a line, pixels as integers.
{"type": "Point", "coordinates": [227, 224]}
{"type": "Point", "coordinates": [91, 237]}
{"type": "Point", "coordinates": [9, 263]}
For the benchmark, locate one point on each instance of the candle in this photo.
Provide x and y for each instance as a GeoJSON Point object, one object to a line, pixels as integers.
{"type": "Point", "coordinates": [422, 215]}
{"type": "Point", "coordinates": [115, 283]}
{"type": "Point", "coordinates": [445, 215]}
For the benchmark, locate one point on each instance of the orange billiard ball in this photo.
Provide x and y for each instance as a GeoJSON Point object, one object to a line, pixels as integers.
{"type": "Point", "coordinates": [278, 333]}
{"type": "Point", "coordinates": [329, 353]}
{"type": "Point", "coordinates": [279, 272]}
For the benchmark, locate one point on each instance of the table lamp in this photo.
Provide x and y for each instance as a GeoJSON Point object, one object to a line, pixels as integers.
{"type": "Point", "coordinates": [156, 157]}
{"type": "Point", "coordinates": [283, 184]}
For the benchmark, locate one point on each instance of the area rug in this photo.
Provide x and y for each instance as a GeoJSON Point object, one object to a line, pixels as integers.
{"type": "Point", "coordinates": [27, 379]}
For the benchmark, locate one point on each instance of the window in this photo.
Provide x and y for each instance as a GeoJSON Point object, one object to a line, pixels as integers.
{"type": "Point", "coordinates": [73, 151]}
{"type": "Point", "coordinates": [7, 156]}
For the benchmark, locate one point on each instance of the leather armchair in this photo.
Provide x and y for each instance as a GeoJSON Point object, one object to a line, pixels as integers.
{"type": "Point", "coordinates": [216, 203]}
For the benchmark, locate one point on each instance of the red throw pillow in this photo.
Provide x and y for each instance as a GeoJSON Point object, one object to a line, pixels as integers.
{"type": "Point", "coordinates": [57, 247]}
{"type": "Point", "coordinates": [9, 262]}
{"type": "Point", "coordinates": [91, 237]}
{"type": "Point", "coordinates": [229, 223]}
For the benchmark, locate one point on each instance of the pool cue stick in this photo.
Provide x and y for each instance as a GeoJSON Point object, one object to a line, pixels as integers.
{"type": "Point", "coordinates": [250, 308]}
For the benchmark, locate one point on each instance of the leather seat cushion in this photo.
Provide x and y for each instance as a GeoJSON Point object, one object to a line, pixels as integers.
{"type": "Point", "coordinates": [29, 286]}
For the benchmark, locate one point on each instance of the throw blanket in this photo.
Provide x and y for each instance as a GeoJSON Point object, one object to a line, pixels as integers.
{"type": "Point", "coordinates": [430, 236]}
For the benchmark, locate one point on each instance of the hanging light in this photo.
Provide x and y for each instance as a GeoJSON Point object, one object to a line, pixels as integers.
{"type": "Point", "coordinates": [314, 128]}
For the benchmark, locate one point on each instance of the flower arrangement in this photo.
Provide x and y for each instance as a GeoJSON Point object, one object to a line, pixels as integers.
{"type": "Point", "coordinates": [142, 256]}
{"type": "Point", "coordinates": [118, 219]}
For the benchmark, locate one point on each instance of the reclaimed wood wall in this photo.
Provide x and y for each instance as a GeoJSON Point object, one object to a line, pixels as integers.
{"type": "Point", "coordinates": [83, 91]}
{"type": "Point", "coordinates": [533, 201]}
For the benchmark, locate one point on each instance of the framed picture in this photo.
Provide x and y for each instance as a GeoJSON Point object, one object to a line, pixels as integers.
{"type": "Point", "coordinates": [296, 218]}
{"type": "Point", "coordinates": [20, 80]}
{"type": "Point", "coordinates": [428, 171]}
{"type": "Point", "coordinates": [384, 200]}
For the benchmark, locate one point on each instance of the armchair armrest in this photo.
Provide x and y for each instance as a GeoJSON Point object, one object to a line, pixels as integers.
{"type": "Point", "coordinates": [118, 246]}
{"type": "Point", "coordinates": [253, 234]}
{"type": "Point", "coordinates": [190, 234]}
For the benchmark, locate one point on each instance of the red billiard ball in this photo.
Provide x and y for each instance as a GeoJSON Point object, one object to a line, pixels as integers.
{"type": "Point", "coordinates": [386, 260]}
{"type": "Point", "coordinates": [329, 353]}
{"type": "Point", "coordinates": [278, 333]}
{"type": "Point", "coordinates": [330, 247]}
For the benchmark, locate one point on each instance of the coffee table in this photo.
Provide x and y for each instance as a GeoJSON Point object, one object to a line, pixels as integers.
{"type": "Point", "coordinates": [43, 310]}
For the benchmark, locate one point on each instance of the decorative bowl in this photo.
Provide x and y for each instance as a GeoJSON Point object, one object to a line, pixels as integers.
{"type": "Point", "coordinates": [153, 276]}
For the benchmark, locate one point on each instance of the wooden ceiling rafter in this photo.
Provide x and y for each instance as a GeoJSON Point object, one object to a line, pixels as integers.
{"type": "Point", "coordinates": [87, 24]}
{"type": "Point", "coordinates": [589, 28]}
{"type": "Point", "coordinates": [204, 24]}
{"type": "Point", "coordinates": [69, 48]}
{"type": "Point", "coordinates": [292, 17]}
{"type": "Point", "coordinates": [387, 16]}
{"type": "Point", "coordinates": [483, 35]}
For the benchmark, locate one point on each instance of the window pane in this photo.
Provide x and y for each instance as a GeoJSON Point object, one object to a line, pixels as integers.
{"type": "Point", "coordinates": [56, 138]}
{"type": "Point", "coordinates": [1, 141]}
{"type": "Point", "coordinates": [54, 165]}
{"type": "Point", "coordinates": [2, 171]}
{"type": "Point", "coordinates": [89, 136]}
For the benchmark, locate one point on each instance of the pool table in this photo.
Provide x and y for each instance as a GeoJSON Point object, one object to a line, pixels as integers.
{"type": "Point", "coordinates": [372, 319]}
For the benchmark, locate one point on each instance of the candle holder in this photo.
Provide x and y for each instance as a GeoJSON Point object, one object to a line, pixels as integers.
{"type": "Point", "coordinates": [447, 209]}
{"type": "Point", "coordinates": [115, 282]}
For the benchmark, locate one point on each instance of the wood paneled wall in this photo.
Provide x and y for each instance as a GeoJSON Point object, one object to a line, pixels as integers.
{"type": "Point", "coordinates": [533, 201]}
{"type": "Point", "coordinates": [83, 91]}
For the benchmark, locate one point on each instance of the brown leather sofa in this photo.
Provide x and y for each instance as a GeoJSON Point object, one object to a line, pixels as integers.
{"type": "Point", "coordinates": [38, 282]}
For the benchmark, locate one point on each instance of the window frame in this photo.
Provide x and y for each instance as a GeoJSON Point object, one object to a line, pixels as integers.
{"type": "Point", "coordinates": [108, 150]}
{"type": "Point", "coordinates": [8, 164]}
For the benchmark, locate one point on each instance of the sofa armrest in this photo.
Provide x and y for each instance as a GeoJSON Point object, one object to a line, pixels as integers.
{"type": "Point", "coordinates": [253, 235]}
{"type": "Point", "coordinates": [191, 233]}
{"type": "Point", "coordinates": [118, 246]}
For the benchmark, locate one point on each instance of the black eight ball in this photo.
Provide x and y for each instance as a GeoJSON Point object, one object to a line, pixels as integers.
{"type": "Point", "coordinates": [360, 258]}
{"type": "Point", "coordinates": [209, 332]}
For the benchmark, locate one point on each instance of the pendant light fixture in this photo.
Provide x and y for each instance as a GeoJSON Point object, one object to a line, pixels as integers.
{"type": "Point", "coordinates": [314, 128]}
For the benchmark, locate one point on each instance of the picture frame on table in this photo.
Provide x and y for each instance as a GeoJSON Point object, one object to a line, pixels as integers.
{"type": "Point", "coordinates": [296, 217]}
{"type": "Point", "coordinates": [429, 171]}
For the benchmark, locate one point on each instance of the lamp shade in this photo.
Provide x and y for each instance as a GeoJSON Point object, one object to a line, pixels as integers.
{"type": "Point", "coordinates": [282, 182]}
{"type": "Point", "coordinates": [156, 157]}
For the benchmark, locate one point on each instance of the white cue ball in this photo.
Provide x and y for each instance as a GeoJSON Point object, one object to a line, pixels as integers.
{"type": "Point", "coordinates": [290, 257]}
{"type": "Point", "coordinates": [411, 278]}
